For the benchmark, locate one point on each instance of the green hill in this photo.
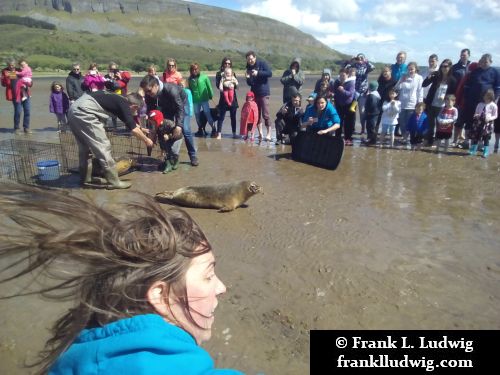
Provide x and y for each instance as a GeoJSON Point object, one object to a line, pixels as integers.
{"type": "Point", "coordinates": [51, 35]}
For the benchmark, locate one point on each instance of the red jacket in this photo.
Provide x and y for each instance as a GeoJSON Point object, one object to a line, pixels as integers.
{"type": "Point", "coordinates": [123, 81]}
{"type": "Point", "coordinates": [249, 115]}
{"type": "Point", "coordinates": [9, 80]}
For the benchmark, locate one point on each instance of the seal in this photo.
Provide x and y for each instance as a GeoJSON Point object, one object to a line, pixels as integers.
{"type": "Point", "coordinates": [225, 197]}
{"type": "Point", "coordinates": [124, 165]}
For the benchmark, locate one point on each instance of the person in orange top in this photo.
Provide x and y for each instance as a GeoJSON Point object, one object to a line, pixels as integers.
{"type": "Point", "coordinates": [171, 75]}
{"type": "Point", "coordinates": [249, 117]}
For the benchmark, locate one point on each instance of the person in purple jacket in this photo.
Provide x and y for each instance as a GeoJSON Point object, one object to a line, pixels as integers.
{"type": "Point", "coordinates": [59, 104]}
{"type": "Point", "coordinates": [343, 92]}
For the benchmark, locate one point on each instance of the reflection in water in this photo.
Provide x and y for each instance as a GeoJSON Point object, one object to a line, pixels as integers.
{"type": "Point", "coordinates": [391, 239]}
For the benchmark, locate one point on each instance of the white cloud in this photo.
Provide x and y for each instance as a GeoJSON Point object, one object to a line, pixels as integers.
{"type": "Point", "coordinates": [286, 12]}
{"type": "Point", "coordinates": [330, 10]}
{"type": "Point", "coordinates": [358, 38]}
{"type": "Point", "coordinates": [489, 9]}
{"type": "Point", "coordinates": [422, 13]}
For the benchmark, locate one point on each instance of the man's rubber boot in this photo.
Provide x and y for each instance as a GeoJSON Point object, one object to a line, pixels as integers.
{"type": "Point", "coordinates": [114, 182]}
{"type": "Point", "coordinates": [85, 170]}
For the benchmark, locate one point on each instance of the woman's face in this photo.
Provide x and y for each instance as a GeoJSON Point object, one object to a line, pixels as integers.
{"type": "Point", "coordinates": [321, 104]}
{"type": "Point", "coordinates": [412, 70]}
{"type": "Point", "coordinates": [202, 287]}
{"type": "Point", "coordinates": [171, 66]}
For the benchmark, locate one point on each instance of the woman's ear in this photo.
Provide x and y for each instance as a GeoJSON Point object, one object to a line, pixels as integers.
{"type": "Point", "coordinates": [157, 296]}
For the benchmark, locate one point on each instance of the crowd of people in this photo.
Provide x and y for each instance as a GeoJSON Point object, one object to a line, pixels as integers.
{"type": "Point", "coordinates": [447, 105]}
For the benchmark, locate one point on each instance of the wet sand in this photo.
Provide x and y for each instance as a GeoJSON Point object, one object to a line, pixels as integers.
{"type": "Point", "coordinates": [392, 239]}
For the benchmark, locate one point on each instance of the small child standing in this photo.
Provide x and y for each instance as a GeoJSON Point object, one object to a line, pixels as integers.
{"type": "Point", "coordinates": [227, 85]}
{"type": "Point", "coordinates": [390, 114]}
{"type": "Point", "coordinates": [445, 122]}
{"type": "Point", "coordinates": [249, 117]}
{"type": "Point", "coordinates": [418, 125]}
{"type": "Point", "coordinates": [372, 110]}
{"type": "Point", "coordinates": [59, 104]}
{"type": "Point", "coordinates": [24, 81]}
{"type": "Point", "coordinates": [482, 124]}
{"type": "Point", "coordinates": [167, 134]}
{"type": "Point", "coordinates": [497, 129]}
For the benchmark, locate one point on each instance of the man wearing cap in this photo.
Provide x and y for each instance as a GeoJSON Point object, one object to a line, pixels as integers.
{"type": "Point", "coordinates": [363, 68]}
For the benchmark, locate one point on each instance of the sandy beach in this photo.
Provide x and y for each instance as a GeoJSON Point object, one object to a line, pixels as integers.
{"type": "Point", "coordinates": [392, 239]}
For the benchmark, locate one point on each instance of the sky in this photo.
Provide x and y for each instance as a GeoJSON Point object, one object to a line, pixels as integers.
{"type": "Point", "coordinates": [382, 28]}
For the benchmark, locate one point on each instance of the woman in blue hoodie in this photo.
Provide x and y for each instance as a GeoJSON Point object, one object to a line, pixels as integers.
{"type": "Point", "coordinates": [144, 282]}
{"type": "Point", "coordinates": [321, 118]}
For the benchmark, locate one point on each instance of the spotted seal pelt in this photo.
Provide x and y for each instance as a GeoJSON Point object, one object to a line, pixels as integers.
{"type": "Point", "coordinates": [225, 197]}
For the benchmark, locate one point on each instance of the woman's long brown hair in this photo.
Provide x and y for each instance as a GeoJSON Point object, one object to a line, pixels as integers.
{"type": "Point", "coordinates": [103, 261]}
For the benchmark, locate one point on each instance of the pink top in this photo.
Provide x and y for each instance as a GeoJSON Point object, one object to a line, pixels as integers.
{"type": "Point", "coordinates": [25, 72]}
{"type": "Point", "coordinates": [174, 77]}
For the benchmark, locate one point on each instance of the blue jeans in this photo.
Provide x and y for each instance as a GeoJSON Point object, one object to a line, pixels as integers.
{"type": "Point", "coordinates": [206, 109]}
{"type": "Point", "coordinates": [18, 108]}
{"type": "Point", "coordinates": [188, 137]}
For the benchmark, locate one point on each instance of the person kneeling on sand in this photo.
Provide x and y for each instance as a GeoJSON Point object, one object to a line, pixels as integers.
{"type": "Point", "coordinates": [169, 137]}
{"type": "Point", "coordinates": [288, 119]}
{"type": "Point", "coordinates": [87, 117]}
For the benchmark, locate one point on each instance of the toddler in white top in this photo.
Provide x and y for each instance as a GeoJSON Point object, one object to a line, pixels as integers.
{"type": "Point", "coordinates": [390, 114]}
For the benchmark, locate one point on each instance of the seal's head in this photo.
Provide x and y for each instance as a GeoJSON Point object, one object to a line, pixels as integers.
{"type": "Point", "coordinates": [254, 188]}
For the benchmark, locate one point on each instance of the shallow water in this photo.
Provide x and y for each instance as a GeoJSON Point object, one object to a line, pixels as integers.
{"type": "Point", "coordinates": [392, 239]}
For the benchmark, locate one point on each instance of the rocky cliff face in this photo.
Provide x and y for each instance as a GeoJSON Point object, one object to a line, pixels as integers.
{"type": "Point", "coordinates": [174, 22]}
{"type": "Point", "coordinates": [221, 21]}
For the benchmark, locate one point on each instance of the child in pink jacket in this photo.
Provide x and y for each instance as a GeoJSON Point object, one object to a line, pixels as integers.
{"type": "Point", "coordinates": [249, 117]}
{"type": "Point", "coordinates": [24, 81]}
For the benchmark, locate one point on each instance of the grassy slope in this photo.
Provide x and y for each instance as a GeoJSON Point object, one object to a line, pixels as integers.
{"type": "Point", "coordinates": [205, 39]}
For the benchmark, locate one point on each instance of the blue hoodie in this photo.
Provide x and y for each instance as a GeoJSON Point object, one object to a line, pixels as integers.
{"type": "Point", "coordinates": [328, 118]}
{"type": "Point", "coordinates": [144, 344]}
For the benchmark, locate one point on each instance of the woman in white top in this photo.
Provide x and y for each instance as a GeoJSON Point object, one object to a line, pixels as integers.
{"type": "Point", "coordinates": [410, 92]}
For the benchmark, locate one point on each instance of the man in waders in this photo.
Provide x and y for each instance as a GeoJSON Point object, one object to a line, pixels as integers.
{"type": "Point", "coordinates": [87, 117]}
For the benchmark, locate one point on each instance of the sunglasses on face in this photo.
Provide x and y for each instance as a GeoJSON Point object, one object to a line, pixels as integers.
{"type": "Point", "coordinates": [171, 66]}
{"type": "Point", "coordinates": [227, 63]}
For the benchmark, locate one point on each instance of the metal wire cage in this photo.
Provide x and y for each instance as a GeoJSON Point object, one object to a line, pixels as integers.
{"type": "Point", "coordinates": [31, 162]}
{"type": "Point", "coordinates": [123, 145]}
